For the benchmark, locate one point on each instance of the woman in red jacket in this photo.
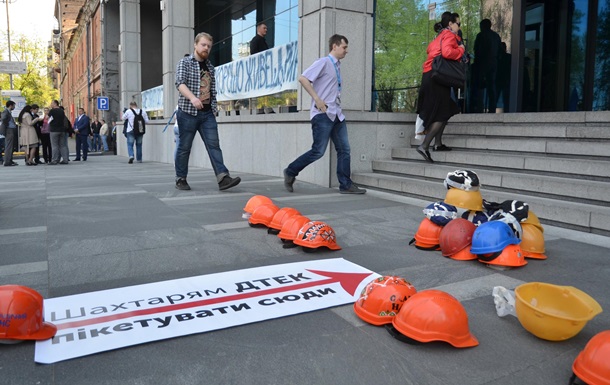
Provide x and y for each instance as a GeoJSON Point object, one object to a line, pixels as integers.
{"type": "Point", "coordinates": [434, 105]}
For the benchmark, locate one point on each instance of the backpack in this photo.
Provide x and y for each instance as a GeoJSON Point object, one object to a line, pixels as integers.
{"type": "Point", "coordinates": [139, 126]}
{"type": "Point", "coordinates": [68, 126]}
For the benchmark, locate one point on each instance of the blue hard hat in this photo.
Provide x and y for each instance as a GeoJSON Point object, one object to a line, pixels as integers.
{"type": "Point", "coordinates": [440, 213]}
{"type": "Point", "coordinates": [492, 237]}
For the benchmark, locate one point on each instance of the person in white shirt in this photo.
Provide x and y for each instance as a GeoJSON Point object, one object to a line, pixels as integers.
{"type": "Point", "coordinates": [131, 137]}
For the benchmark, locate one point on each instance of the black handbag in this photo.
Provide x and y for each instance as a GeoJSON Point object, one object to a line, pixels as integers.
{"type": "Point", "coordinates": [449, 73]}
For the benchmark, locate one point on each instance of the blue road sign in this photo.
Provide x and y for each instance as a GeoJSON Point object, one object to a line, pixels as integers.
{"type": "Point", "coordinates": [102, 103]}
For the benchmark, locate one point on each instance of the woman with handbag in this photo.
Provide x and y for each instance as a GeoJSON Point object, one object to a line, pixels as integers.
{"type": "Point", "coordinates": [434, 104]}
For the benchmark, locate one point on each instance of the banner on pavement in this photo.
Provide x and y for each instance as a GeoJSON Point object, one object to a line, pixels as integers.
{"type": "Point", "coordinates": [99, 321]}
{"type": "Point", "coordinates": [264, 73]}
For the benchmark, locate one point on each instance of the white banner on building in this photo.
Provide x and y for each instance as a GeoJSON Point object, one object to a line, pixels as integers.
{"type": "Point", "coordinates": [152, 99]}
{"type": "Point", "coordinates": [99, 321]}
{"type": "Point", "coordinates": [264, 73]}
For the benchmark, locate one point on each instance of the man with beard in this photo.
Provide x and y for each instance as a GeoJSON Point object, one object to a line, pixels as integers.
{"type": "Point", "coordinates": [196, 113]}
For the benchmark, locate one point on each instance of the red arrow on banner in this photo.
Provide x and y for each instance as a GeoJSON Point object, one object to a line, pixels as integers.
{"type": "Point", "coordinates": [348, 281]}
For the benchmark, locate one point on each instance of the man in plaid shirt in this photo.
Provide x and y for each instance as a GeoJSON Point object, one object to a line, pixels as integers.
{"type": "Point", "coordinates": [196, 113]}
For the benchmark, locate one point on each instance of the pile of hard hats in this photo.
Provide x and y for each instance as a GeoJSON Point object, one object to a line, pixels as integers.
{"type": "Point", "coordinates": [412, 316]}
{"type": "Point", "coordinates": [292, 228]}
{"type": "Point", "coordinates": [497, 234]}
{"type": "Point", "coordinates": [21, 315]}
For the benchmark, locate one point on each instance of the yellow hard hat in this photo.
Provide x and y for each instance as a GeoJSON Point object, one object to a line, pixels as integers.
{"type": "Point", "coordinates": [532, 241]}
{"type": "Point", "coordinates": [553, 312]}
{"type": "Point", "coordinates": [532, 219]}
{"type": "Point", "coordinates": [469, 200]}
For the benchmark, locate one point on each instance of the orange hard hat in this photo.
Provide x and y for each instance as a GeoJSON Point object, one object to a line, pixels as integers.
{"type": "Point", "coordinates": [455, 237]}
{"type": "Point", "coordinates": [433, 315]}
{"type": "Point", "coordinates": [313, 235]}
{"type": "Point", "coordinates": [382, 298]}
{"type": "Point", "coordinates": [427, 236]}
{"type": "Point", "coordinates": [263, 215]}
{"type": "Point", "coordinates": [532, 241]}
{"type": "Point", "coordinates": [281, 216]}
{"type": "Point", "coordinates": [21, 315]}
{"type": "Point", "coordinates": [592, 364]}
{"type": "Point", "coordinates": [291, 227]}
{"type": "Point", "coordinates": [253, 203]}
{"type": "Point", "coordinates": [510, 256]}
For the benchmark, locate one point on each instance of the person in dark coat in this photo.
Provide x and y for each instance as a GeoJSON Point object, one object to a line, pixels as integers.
{"type": "Point", "coordinates": [258, 42]}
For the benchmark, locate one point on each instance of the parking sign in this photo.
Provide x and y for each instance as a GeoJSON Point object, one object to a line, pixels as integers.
{"type": "Point", "coordinates": [102, 103]}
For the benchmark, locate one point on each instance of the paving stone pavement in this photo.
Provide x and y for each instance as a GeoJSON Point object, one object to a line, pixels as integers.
{"type": "Point", "coordinates": [103, 224]}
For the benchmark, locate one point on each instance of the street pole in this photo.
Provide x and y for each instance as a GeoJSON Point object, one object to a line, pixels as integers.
{"type": "Point", "coordinates": [8, 37]}
{"type": "Point", "coordinates": [103, 58]}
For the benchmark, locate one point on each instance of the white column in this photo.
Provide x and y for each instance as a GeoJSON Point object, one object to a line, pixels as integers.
{"type": "Point", "coordinates": [178, 37]}
{"type": "Point", "coordinates": [130, 56]}
{"type": "Point", "coordinates": [353, 19]}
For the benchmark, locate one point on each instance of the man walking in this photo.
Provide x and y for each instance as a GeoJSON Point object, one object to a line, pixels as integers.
{"type": "Point", "coordinates": [132, 137]}
{"type": "Point", "coordinates": [10, 133]}
{"type": "Point", "coordinates": [322, 80]}
{"type": "Point", "coordinates": [196, 113]}
{"type": "Point", "coordinates": [82, 128]}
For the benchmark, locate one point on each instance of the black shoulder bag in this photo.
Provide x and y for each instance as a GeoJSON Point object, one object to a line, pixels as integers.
{"type": "Point", "coordinates": [449, 73]}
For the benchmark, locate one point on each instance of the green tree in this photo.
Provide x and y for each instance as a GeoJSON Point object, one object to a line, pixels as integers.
{"type": "Point", "coordinates": [401, 38]}
{"type": "Point", "coordinates": [35, 85]}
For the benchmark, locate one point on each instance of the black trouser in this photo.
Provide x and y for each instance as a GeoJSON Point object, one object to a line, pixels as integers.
{"type": "Point", "coordinates": [47, 152]}
{"type": "Point", "coordinates": [81, 142]}
{"type": "Point", "coordinates": [9, 144]}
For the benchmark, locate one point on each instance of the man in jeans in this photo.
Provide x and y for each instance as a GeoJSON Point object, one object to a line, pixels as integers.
{"type": "Point", "coordinates": [57, 128]}
{"type": "Point", "coordinates": [322, 80]}
{"type": "Point", "coordinates": [196, 113]}
{"type": "Point", "coordinates": [128, 116]}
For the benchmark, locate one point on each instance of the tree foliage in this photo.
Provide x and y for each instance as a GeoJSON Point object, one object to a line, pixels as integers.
{"type": "Point", "coordinates": [401, 39]}
{"type": "Point", "coordinates": [35, 85]}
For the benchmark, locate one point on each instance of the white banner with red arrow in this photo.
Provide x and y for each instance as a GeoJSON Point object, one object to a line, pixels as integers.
{"type": "Point", "coordinates": [99, 321]}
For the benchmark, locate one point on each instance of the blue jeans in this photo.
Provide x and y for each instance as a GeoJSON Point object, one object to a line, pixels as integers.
{"type": "Point", "coordinates": [105, 141]}
{"type": "Point", "coordinates": [324, 129]}
{"type": "Point", "coordinates": [96, 142]}
{"type": "Point", "coordinates": [131, 138]}
{"type": "Point", "coordinates": [205, 124]}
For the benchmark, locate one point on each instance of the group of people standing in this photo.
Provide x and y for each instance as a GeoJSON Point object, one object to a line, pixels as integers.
{"type": "Point", "coordinates": [50, 130]}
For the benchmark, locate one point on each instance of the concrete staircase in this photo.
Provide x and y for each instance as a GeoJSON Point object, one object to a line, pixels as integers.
{"type": "Point", "coordinates": [559, 163]}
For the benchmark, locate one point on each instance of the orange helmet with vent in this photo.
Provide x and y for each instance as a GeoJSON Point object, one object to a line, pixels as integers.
{"type": "Point", "coordinates": [427, 236]}
{"type": "Point", "coordinates": [433, 315]}
{"type": "Point", "coordinates": [281, 216]}
{"type": "Point", "coordinates": [510, 256]}
{"type": "Point", "coordinates": [382, 298]}
{"type": "Point", "coordinates": [253, 203]}
{"type": "Point", "coordinates": [316, 234]}
{"type": "Point", "coordinates": [22, 315]}
{"type": "Point", "coordinates": [263, 215]}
